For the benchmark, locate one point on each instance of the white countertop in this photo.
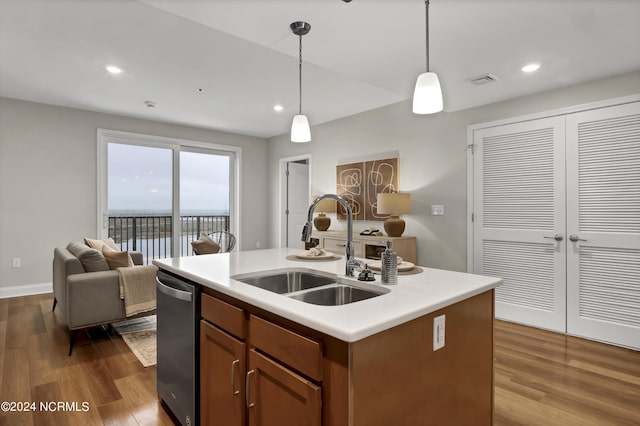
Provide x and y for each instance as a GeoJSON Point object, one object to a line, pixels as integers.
{"type": "Point", "coordinates": [414, 295]}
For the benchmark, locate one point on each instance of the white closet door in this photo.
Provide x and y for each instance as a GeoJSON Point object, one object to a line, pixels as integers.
{"type": "Point", "coordinates": [603, 210]}
{"type": "Point", "coordinates": [519, 206]}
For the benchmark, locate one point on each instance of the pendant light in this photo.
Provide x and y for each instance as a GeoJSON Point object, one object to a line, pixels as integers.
{"type": "Point", "coordinates": [427, 96]}
{"type": "Point", "coordinates": [300, 131]}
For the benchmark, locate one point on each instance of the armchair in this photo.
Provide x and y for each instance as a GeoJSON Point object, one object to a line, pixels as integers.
{"type": "Point", "coordinates": [88, 295]}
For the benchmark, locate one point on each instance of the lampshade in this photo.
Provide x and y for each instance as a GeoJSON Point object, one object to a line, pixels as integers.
{"type": "Point", "coordinates": [328, 205]}
{"type": "Point", "coordinates": [394, 203]}
{"type": "Point", "coordinates": [427, 96]}
{"type": "Point", "coordinates": [300, 131]}
{"type": "Point", "coordinates": [322, 222]}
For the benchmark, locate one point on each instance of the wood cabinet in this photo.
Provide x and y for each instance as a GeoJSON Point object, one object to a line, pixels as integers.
{"type": "Point", "coordinates": [272, 389]}
{"type": "Point", "coordinates": [222, 367]}
{"type": "Point", "coordinates": [276, 396]}
{"type": "Point", "coordinates": [294, 375]}
{"type": "Point", "coordinates": [367, 246]}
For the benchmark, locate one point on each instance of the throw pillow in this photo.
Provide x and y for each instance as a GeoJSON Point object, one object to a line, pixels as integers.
{"type": "Point", "coordinates": [92, 260]}
{"type": "Point", "coordinates": [116, 258]}
{"type": "Point", "coordinates": [205, 245]}
{"type": "Point", "coordinates": [98, 244]}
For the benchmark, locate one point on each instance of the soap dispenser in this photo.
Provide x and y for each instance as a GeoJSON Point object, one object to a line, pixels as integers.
{"type": "Point", "coordinates": [389, 266]}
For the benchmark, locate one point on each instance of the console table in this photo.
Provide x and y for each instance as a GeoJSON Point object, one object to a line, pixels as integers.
{"type": "Point", "coordinates": [367, 246]}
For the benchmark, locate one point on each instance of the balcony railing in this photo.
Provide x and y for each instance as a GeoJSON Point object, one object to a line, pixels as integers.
{"type": "Point", "coordinates": [152, 235]}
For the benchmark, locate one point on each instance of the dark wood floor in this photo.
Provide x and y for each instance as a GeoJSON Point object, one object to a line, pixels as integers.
{"type": "Point", "coordinates": [541, 378]}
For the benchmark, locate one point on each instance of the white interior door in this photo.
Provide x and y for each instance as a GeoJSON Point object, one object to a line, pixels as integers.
{"type": "Point", "coordinates": [519, 207]}
{"type": "Point", "coordinates": [297, 202]}
{"type": "Point", "coordinates": [603, 211]}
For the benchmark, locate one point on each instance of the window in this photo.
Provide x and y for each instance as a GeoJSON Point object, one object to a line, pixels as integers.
{"type": "Point", "coordinates": [149, 187]}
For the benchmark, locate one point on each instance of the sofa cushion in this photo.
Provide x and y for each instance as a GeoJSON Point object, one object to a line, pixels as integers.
{"type": "Point", "coordinates": [116, 258]}
{"type": "Point", "coordinates": [98, 244]}
{"type": "Point", "coordinates": [205, 245]}
{"type": "Point", "coordinates": [92, 260]}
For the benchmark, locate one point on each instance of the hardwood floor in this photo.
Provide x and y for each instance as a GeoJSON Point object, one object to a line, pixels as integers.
{"type": "Point", "coordinates": [541, 378]}
{"type": "Point", "coordinates": [545, 378]}
{"type": "Point", "coordinates": [35, 367]}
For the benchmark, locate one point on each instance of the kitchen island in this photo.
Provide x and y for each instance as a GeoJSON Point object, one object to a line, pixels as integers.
{"type": "Point", "coordinates": [365, 363]}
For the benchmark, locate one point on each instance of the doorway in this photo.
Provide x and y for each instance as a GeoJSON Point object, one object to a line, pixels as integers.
{"type": "Point", "coordinates": [295, 193]}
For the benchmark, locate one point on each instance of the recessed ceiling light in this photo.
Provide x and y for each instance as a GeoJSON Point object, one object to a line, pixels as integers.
{"type": "Point", "coordinates": [113, 69]}
{"type": "Point", "coordinates": [530, 68]}
{"type": "Point", "coordinates": [278, 108]}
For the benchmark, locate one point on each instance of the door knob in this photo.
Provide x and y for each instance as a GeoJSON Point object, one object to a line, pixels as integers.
{"type": "Point", "coordinates": [557, 237]}
{"type": "Point", "coordinates": [574, 238]}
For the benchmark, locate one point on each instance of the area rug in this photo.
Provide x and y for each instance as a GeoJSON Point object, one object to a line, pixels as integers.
{"type": "Point", "coordinates": [140, 336]}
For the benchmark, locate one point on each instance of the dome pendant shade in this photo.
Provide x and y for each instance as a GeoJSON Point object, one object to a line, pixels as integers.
{"type": "Point", "coordinates": [427, 96]}
{"type": "Point", "coordinates": [300, 131]}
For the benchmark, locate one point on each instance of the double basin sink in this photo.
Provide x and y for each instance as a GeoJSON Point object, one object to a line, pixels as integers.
{"type": "Point", "coordinates": [309, 286]}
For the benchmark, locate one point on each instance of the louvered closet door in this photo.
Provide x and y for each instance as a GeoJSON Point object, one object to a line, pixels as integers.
{"type": "Point", "coordinates": [603, 210]}
{"type": "Point", "coordinates": [519, 200]}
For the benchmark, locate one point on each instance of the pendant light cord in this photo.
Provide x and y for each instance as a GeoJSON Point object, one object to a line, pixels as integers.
{"type": "Point", "coordinates": [426, 18]}
{"type": "Point", "coordinates": [300, 74]}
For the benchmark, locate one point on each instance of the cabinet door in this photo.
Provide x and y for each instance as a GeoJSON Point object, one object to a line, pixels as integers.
{"type": "Point", "coordinates": [278, 397]}
{"type": "Point", "coordinates": [222, 367]}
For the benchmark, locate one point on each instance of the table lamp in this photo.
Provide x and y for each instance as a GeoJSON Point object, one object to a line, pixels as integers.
{"type": "Point", "coordinates": [322, 221]}
{"type": "Point", "coordinates": [394, 204]}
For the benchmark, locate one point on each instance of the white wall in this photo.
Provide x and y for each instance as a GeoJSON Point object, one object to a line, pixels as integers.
{"type": "Point", "coordinates": [432, 159]}
{"type": "Point", "coordinates": [48, 181]}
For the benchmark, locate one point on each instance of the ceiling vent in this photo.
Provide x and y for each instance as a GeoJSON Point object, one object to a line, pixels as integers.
{"type": "Point", "coordinates": [484, 79]}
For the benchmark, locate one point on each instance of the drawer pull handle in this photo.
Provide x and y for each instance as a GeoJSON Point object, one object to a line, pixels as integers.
{"type": "Point", "coordinates": [341, 245]}
{"type": "Point", "coordinates": [234, 364]}
{"type": "Point", "coordinates": [246, 388]}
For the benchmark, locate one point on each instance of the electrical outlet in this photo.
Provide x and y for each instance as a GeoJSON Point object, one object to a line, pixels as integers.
{"type": "Point", "coordinates": [437, 210]}
{"type": "Point", "coordinates": [257, 244]}
{"type": "Point", "coordinates": [16, 262]}
{"type": "Point", "coordinates": [438, 332]}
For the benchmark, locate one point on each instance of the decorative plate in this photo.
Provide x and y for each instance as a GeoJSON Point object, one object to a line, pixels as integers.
{"type": "Point", "coordinates": [323, 256]}
{"type": "Point", "coordinates": [376, 265]}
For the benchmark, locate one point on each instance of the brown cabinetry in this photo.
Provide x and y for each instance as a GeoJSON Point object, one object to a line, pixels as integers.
{"type": "Point", "coordinates": [261, 369]}
{"type": "Point", "coordinates": [222, 367]}
{"type": "Point", "coordinates": [276, 396]}
{"type": "Point", "coordinates": [275, 388]}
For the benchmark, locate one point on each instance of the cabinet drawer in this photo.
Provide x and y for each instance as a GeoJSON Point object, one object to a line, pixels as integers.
{"type": "Point", "coordinates": [296, 351]}
{"type": "Point", "coordinates": [338, 246]}
{"type": "Point", "coordinates": [224, 315]}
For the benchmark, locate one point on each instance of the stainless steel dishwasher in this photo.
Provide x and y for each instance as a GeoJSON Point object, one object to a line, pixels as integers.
{"type": "Point", "coordinates": [178, 313]}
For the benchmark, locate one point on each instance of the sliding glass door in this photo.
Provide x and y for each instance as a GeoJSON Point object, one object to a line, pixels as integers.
{"type": "Point", "coordinates": [205, 194]}
{"type": "Point", "coordinates": [156, 195]}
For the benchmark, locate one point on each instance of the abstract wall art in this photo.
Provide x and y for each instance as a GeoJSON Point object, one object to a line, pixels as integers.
{"type": "Point", "coordinates": [359, 183]}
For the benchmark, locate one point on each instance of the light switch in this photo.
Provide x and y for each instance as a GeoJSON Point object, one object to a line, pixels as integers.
{"type": "Point", "coordinates": [16, 262]}
{"type": "Point", "coordinates": [438, 332]}
{"type": "Point", "coordinates": [437, 210]}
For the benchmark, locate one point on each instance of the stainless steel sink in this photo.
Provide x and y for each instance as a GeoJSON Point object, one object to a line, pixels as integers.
{"type": "Point", "coordinates": [335, 295]}
{"type": "Point", "coordinates": [286, 280]}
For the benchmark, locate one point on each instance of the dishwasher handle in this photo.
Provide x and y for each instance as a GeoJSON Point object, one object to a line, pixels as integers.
{"type": "Point", "coordinates": [187, 296]}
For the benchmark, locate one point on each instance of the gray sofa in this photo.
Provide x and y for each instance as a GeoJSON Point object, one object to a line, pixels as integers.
{"type": "Point", "coordinates": [84, 288]}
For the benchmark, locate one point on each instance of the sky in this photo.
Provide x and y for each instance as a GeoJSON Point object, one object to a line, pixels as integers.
{"type": "Point", "coordinates": [140, 178]}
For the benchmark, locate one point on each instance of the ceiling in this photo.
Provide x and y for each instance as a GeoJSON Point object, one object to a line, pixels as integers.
{"type": "Point", "coordinates": [358, 56]}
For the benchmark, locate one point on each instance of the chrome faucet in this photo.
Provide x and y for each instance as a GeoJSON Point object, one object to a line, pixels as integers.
{"type": "Point", "coordinates": [306, 231]}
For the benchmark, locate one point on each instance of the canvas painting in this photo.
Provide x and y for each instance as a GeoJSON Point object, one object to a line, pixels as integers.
{"type": "Point", "coordinates": [359, 183]}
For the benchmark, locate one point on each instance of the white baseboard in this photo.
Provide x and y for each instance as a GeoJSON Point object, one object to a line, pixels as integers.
{"type": "Point", "coordinates": [25, 290]}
